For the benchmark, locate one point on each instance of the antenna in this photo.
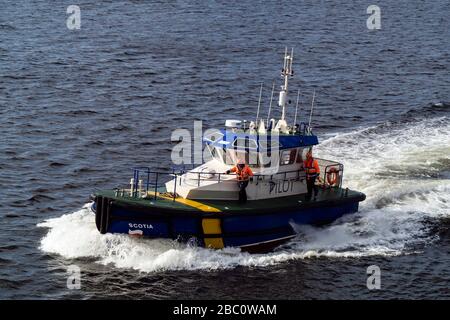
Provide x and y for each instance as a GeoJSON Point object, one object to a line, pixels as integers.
{"type": "Point", "coordinates": [296, 107]}
{"type": "Point", "coordinates": [259, 103]}
{"type": "Point", "coordinates": [270, 106]}
{"type": "Point", "coordinates": [312, 107]}
{"type": "Point", "coordinates": [286, 72]}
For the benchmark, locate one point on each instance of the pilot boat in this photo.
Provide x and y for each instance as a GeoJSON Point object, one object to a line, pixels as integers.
{"type": "Point", "coordinates": [200, 205]}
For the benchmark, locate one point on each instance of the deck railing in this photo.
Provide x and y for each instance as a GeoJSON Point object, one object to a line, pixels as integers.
{"type": "Point", "coordinates": [152, 182]}
{"type": "Point", "coordinates": [329, 168]}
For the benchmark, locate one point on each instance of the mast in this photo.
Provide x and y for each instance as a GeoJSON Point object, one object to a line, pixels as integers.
{"type": "Point", "coordinates": [286, 72]}
{"type": "Point", "coordinates": [312, 108]}
{"type": "Point", "coordinates": [296, 107]}
{"type": "Point", "coordinates": [259, 104]}
{"type": "Point", "coordinates": [270, 105]}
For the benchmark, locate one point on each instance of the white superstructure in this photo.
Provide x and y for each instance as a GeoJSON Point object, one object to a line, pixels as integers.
{"type": "Point", "coordinates": [254, 142]}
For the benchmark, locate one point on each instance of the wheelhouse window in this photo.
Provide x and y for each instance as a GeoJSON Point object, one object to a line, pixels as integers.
{"type": "Point", "coordinates": [216, 153]}
{"type": "Point", "coordinates": [269, 144]}
{"type": "Point", "coordinates": [244, 149]}
{"type": "Point", "coordinates": [234, 156]}
{"type": "Point", "coordinates": [219, 154]}
{"type": "Point", "coordinates": [300, 156]}
{"type": "Point", "coordinates": [245, 143]}
{"type": "Point", "coordinates": [288, 156]}
{"type": "Point", "coordinates": [269, 155]}
{"type": "Point", "coordinates": [213, 136]}
{"type": "Point", "coordinates": [265, 159]}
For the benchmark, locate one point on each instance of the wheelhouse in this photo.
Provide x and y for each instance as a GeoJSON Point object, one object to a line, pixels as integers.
{"type": "Point", "coordinates": [281, 151]}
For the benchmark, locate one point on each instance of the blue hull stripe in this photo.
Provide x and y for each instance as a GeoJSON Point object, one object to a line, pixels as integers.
{"type": "Point", "coordinates": [237, 230]}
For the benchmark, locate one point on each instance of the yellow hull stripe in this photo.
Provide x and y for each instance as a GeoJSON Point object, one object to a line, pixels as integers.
{"type": "Point", "coordinates": [214, 243]}
{"type": "Point", "coordinates": [195, 204]}
{"type": "Point", "coordinates": [212, 226]}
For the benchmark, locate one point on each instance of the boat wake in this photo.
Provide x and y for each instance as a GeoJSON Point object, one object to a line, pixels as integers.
{"type": "Point", "coordinates": [404, 169]}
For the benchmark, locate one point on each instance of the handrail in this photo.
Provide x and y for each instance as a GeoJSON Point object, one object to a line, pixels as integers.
{"type": "Point", "coordinates": [199, 173]}
{"type": "Point", "coordinates": [147, 172]}
{"type": "Point", "coordinates": [220, 174]}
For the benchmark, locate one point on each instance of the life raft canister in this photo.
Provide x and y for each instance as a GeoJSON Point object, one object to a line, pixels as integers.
{"type": "Point", "coordinates": [333, 176]}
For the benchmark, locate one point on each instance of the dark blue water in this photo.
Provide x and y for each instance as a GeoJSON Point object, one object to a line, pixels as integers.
{"type": "Point", "coordinates": [79, 108]}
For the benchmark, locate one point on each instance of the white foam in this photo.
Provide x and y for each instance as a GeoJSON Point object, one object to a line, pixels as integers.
{"type": "Point", "coordinates": [388, 163]}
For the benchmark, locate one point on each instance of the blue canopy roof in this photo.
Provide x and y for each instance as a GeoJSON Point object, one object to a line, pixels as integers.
{"type": "Point", "coordinates": [241, 140]}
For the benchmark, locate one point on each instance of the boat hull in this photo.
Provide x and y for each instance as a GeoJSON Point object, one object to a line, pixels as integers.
{"type": "Point", "coordinates": [253, 229]}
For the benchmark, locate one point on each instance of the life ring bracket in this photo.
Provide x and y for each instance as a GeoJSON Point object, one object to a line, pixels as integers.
{"type": "Point", "coordinates": [333, 178]}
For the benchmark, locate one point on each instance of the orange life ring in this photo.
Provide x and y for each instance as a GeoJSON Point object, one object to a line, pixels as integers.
{"type": "Point", "coordinates": [332, 176]}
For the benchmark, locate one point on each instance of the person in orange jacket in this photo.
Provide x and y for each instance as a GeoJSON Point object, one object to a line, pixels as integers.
{"type": "Point", "coordinates": [312, 169]}
{"type": "Point", "coordinates": [243, 174]}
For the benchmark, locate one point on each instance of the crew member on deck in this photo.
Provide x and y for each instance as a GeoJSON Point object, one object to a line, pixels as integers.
{"type": "Point", "coordinates": [312, 172]}
{"type": "Point", "coordinates": [243, 174]}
